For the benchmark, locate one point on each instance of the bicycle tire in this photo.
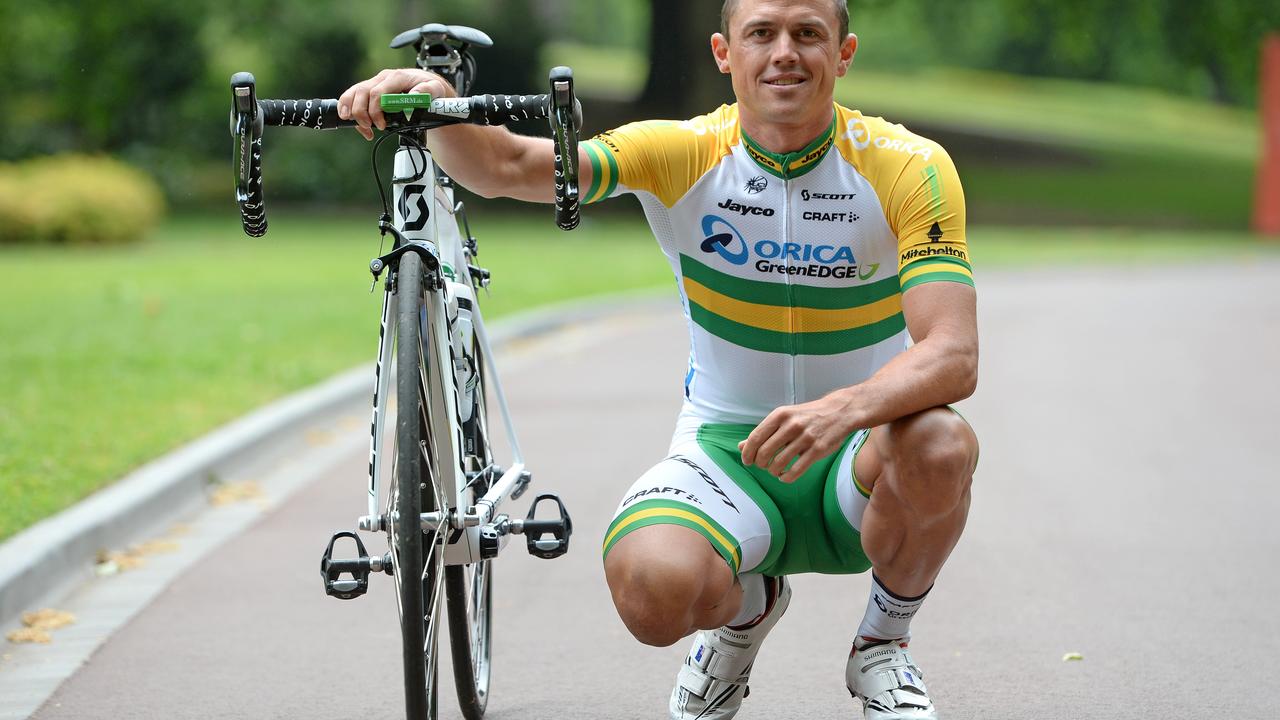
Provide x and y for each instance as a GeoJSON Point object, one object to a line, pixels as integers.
{"type": "Point", "coordinates": [417, 556]}
{"type": "Point", "coordinates": [469, 588]}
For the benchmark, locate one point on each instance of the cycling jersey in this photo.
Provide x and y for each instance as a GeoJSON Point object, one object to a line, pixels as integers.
{"type": "Point", "coordinates": [791, 268]}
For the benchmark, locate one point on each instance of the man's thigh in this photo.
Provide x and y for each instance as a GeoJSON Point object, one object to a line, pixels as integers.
{"type": "Point", "coordinates": [690, 490]}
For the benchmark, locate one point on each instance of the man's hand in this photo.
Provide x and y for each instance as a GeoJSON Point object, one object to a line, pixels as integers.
{"type": "Point", "coordinates": [804, 433]}
{"type": "Point", "coordinates": [361, 102]}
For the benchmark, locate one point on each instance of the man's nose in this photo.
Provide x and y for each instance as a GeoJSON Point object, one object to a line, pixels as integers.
{"type": "Point", "coordinates": [784, 50]}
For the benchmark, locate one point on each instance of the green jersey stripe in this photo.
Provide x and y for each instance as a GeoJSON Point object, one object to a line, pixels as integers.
{"type": "Point", "coordinates": [938, 277]}
{"type": "Point", "coordinates": [815, 343]}
{"type": "Point", "coordinates": [781, 294]}
{"type": "Point", "coordinates": [593, 151]}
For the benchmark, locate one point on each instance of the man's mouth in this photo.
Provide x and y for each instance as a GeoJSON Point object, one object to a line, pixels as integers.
{"type": "Point", "coordinates": [784, 81]}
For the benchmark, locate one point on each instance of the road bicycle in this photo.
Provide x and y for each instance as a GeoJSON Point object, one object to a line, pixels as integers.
{"type": "Point", "coordinates": [442, 512]}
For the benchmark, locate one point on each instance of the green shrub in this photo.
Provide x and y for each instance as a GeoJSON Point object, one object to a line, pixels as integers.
{"type": "Point", "coordinates": [76, 199]}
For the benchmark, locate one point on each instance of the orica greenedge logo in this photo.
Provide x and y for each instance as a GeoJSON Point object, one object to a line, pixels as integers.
{"type": "Point", "coordinates": [723, 239]}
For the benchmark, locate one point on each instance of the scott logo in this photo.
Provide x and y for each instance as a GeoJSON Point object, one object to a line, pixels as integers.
{"type": "Point", "coordinates": [733, 206]}
{"type": "Point", "coordinates": [415, 200]}
{"type": "Point", "coordinates": [807, 196]}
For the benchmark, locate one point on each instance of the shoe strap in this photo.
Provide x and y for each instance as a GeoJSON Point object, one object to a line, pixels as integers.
{"type": "Point", "coordinates": [709, 666]}
{"type": "Point", "coordinates": [901, 680]}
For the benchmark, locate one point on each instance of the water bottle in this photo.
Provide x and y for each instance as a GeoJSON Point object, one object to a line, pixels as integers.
{"type": "Point", "coordinates": [460, 302]}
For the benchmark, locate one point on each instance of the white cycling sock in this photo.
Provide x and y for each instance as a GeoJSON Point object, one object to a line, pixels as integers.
{"type": "Point", "coordinates": [888, 614]}
{"type": "Point", "coordinates": [754, 600]}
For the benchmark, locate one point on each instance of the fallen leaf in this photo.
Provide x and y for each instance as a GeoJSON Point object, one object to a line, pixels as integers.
{"type": "Point", "coordinates": [228, 493]}
{"type": "Point", "coordinates": [153, 547]}
{"type": "Point", "coordinates": [29, 635]}
{"type": "Point", "coordinates": [111, 562]}
{"type": "Point", "coordinates": [1071, 656]}
{"type": "Point", "coordinates": [47, 619]}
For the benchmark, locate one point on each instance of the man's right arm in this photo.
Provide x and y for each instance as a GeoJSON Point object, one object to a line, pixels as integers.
{"type": "Point", "coordinates": [489, 161]}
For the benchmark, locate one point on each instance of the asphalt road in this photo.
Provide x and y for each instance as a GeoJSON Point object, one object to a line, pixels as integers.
{"type": "Point", "coordinates": [1125, 508]}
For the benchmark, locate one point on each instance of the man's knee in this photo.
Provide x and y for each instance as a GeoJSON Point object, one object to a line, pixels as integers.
{"type": "Point", "coordinates": [932, 455]}
{"type": "Point", "coordinates": [661, 577]}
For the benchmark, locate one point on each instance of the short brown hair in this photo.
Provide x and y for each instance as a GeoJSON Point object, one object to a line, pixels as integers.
{"type": "Point", "coordinates": [841, 8]}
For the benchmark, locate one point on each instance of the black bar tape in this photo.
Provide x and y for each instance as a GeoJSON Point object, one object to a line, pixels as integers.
{"type": "Point", "coordinates": [502, 109]}
{"type": "Point", "coordinates": [318, 114]}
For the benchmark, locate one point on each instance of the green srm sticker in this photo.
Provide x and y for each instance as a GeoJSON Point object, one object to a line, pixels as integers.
{"type": "Point", "coordinates": [405, 101]}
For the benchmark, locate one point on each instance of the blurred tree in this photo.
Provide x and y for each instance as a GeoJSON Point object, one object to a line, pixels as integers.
{"type": "Point", "coordinates": [130, 64]}
{"type": "Point", "coordinates": [683, 79]}
{"type": "Point", "coordinates": [1187, 46]}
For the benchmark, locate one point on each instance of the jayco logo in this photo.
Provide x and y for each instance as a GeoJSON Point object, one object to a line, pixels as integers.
{"type": "Point", "coordinates": [733, 206]}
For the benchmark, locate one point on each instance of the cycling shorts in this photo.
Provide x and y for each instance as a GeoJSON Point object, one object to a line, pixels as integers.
{"type": "Point", "coordinates": [756, 522]}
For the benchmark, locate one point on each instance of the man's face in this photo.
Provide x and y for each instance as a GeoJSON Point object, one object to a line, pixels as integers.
{"type": "Point", "coordinates": [784, 57]}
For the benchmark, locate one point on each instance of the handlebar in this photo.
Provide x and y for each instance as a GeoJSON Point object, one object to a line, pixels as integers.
{"type": "Point", "coordinates": [249, 115]}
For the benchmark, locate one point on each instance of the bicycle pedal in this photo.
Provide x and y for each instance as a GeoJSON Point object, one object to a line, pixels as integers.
{"type": "Point", "coordinates": [359, 568]}
{"type": "Point", "coordinates": [560, 529]}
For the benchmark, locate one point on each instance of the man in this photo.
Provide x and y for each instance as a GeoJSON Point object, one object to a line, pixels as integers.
{"type": "Point", "coordinates": [812, 246]}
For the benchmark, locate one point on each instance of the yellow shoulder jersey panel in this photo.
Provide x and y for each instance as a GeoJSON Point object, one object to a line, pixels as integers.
{"type": "Point", "coordinates": [919, 191]}
{"type": "Point", "coordinates": [662, 157]}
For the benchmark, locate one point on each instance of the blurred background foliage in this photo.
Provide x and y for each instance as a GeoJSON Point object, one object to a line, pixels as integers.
{"type": "Point", "coordinates": [1063, 118]}
{"type": "Point", "coordinates": [1052, 109]}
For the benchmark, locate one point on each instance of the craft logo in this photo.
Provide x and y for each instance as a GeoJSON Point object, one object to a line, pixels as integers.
{"type": "Point", "coordinates": [756, 185]}
{"type": "Point", "coordinates": [846, 217]}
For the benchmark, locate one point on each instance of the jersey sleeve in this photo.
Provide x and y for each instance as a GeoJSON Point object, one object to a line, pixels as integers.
{"type": "Point", "coordinates": [662, 157]}
{"type": "Point", "coordinates": [927, 213]}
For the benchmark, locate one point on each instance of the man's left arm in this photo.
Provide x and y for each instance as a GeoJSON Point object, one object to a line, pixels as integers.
{"type": "Point", "coordinates": [939, 369]}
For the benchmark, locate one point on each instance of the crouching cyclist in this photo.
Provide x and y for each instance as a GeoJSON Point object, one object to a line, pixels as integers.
{"type": "Point", "coordinates": [824, 274]}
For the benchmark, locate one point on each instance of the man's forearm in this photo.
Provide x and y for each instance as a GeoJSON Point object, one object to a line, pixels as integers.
{"type": "Point", "coordinates": [490, 161]}
{"type": "Point", "coordinates": [937, 371]}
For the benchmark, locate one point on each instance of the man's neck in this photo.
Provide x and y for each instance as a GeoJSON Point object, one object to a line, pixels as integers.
{"type": "Point", "coordinates": [782, 138]}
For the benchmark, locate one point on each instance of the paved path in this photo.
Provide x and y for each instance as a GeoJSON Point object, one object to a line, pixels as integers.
{"type": "Point", "coordinates": [1125, 508]}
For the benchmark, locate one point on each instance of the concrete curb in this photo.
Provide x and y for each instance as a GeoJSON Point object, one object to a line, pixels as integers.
{"type": "Point", "coordinates": [59, 551]}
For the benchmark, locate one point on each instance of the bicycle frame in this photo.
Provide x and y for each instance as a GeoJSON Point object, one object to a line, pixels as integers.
{"type": "Point", "coordinates": [425, 215]}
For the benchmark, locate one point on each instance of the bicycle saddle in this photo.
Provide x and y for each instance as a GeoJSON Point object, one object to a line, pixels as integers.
{"type": "Point", "coordinates": [458, 36]}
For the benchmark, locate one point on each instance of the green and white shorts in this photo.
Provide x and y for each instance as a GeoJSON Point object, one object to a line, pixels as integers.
{"type": "Point", "coordinates": [756, 522]}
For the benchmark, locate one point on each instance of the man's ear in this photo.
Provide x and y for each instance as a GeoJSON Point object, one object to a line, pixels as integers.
{"type": "Point", "coordinates": [847, 50]}
{"type": "Point", "coordinates": [720, 51]}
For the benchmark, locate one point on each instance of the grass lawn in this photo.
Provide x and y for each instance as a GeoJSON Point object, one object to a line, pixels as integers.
{"type": "Point", "coordinates": [111, 357]}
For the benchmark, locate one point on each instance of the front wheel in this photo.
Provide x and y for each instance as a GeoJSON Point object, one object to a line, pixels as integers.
{"type": "Point", "coordinates": [417, 557]}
